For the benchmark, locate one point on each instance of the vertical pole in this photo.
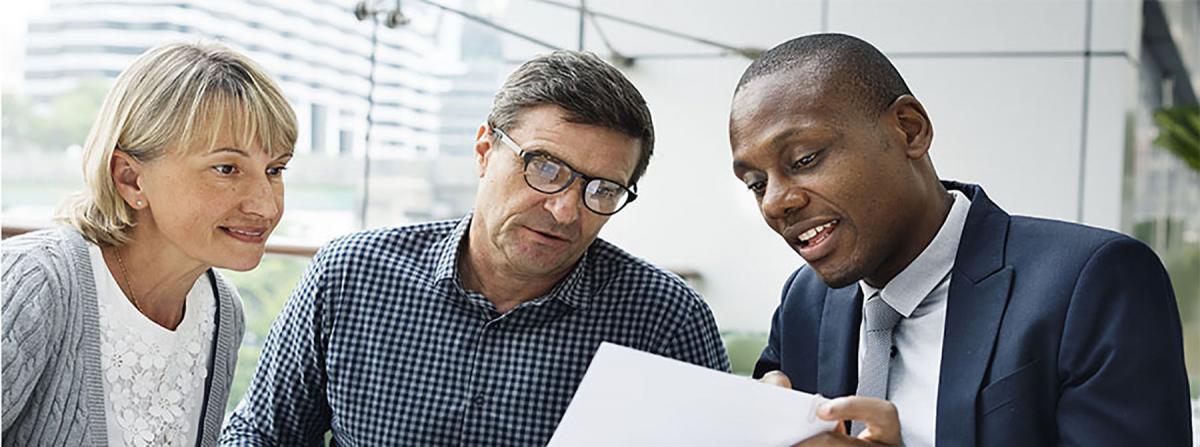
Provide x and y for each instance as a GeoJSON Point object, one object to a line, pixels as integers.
{"type": "Point", "coordinates": [362, 216]}
{"type": "Point", "coordinates": [582, 16]}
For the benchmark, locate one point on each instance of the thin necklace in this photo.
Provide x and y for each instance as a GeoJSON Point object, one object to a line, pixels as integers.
{"type": "Point", "coordinates": [128, 285]}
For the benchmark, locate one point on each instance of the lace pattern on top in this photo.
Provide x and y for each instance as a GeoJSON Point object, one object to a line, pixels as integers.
{"type": "Point", "coordinates": [153, 377]}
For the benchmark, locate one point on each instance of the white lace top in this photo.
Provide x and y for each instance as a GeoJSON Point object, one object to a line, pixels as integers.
{"type": "Point", "coordinates": [153, 377]}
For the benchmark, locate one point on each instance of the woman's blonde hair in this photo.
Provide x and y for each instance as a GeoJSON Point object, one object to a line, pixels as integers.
{"type": "Point", "coordinates": [176, 97]}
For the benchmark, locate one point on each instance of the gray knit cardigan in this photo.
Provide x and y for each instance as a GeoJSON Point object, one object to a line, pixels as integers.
{"type": "Point", "coordinates": [53, 394]}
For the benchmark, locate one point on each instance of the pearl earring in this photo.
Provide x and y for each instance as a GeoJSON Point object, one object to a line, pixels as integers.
{"type": "Point", "coordinates": [140, 203]}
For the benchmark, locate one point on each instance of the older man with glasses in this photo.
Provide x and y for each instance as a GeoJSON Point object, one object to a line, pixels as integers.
{"type": "Point", "coordinates": [477, 331]}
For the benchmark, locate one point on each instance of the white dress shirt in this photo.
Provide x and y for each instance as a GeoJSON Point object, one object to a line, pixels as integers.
{"type": "Point", "coordinates": [919, 294]}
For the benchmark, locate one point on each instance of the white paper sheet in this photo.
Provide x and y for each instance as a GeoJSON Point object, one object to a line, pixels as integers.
{"type": "Point", "coordinates": [630, 398]}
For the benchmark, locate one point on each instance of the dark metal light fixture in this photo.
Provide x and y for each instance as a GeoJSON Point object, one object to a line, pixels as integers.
{"type": "Point", "coordinates": [393, 17]}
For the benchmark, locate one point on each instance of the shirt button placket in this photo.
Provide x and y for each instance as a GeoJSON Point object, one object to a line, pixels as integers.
{"type": "Point", "coordinates": [473, 427]}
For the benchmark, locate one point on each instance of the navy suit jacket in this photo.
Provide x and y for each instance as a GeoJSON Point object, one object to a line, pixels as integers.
{"type": "Point", "coordinates": [1056, 333]}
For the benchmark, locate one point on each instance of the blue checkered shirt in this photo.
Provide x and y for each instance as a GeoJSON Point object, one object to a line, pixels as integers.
{"type": "Point", "coordinates": [381, 344]}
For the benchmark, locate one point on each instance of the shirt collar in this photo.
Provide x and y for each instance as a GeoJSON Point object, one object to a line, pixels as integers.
{"type": "Point", "coordinates": [909, 288]}
{"type": "Point", "coordinates": [572, 289]}
{"type": "Point", "coordinates": [447, 250]}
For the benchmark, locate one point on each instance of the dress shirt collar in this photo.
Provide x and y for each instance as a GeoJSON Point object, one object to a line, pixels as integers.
{"type": "Point", "coordinates": [906, 291]}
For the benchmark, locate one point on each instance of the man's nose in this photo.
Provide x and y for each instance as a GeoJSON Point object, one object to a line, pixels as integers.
{"type": "Point", "coordinates": [566, 205]}
{"type": "Point", "coordinates": [783, 198]}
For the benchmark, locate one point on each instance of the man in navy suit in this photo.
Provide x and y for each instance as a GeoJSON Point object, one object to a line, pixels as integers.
{"type": "Point", "coordinates": [941, 317]}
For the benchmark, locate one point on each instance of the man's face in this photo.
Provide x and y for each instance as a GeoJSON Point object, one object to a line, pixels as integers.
{"type": "Point", "coordinates": [531, 234]}
{"type": "Point", "coordinates": [832, 179]}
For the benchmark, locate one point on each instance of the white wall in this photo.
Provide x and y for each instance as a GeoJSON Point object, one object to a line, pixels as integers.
{"type": "Point", "coordinates": [1003, 81]}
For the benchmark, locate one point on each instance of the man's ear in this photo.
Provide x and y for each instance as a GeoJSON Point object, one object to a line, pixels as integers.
{"type": "Point", "coordinates": [913, 123]}
{"type": "Point", "coordinates": [126, 173]}
{"type": "Point", "coordinates": [483, 144]}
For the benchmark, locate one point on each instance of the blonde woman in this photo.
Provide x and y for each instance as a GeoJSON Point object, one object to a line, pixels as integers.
{"type": "Point", "coordinates": [116, 329]}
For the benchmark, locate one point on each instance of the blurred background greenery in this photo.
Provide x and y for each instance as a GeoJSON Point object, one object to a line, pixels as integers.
{"type": "Point", "coordinates": [1179, 134]}
{"type": "Point", "coordinates": [264, 290]}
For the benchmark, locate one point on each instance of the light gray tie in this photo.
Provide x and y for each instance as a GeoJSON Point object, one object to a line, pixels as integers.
{"type": "Point", "coordinates": [880, 319]}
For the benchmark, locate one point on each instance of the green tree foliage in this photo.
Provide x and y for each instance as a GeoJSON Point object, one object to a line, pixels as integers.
{"type": "Point", "coordinates": [1179, 133]}
{"type": "Point", "coordinates": [57, 125]}
{"type": "Point", "coordinates": [17, 120]}
{"type": "Point", "coordinates": [264, 291]}
{"type": "Point", "coordinates": [744, 348]}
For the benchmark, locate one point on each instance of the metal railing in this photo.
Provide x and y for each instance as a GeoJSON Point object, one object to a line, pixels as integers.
{"type": "Point", "coordinates": [273, 247]}
{"type": "Point", "coordinates": [289, 248]}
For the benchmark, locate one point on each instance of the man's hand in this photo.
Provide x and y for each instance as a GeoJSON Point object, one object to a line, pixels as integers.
{"type": "Point", "coordinates": [880, 417]}
{"type": "Point", "coordinates": [777, 378]}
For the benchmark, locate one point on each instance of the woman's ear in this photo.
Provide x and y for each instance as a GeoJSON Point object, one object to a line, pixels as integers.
{"type": "Point", "coordinates": [126, 174]}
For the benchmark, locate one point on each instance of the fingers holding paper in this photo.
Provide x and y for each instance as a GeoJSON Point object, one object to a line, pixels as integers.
{"type": "Point", "coordinates": [777, 378]}
{"type": "Point", "coordinates": [880, 417]}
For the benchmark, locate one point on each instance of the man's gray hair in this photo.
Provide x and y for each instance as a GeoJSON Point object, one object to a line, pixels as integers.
{"type": "Point", "coordinates": [590, 90]}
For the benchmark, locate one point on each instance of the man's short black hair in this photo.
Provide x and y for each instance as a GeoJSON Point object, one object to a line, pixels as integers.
{"type": "Point", "coordinates": [590, 90]}
{"type": "Point", "coordinates": [862, 71]}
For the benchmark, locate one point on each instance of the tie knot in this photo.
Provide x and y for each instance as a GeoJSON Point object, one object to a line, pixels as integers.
{"type": "Point", "coordinates": [879, 315]}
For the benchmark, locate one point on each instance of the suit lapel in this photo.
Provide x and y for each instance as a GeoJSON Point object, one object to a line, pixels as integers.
{"type": "Point", "coordinates": [837, 350]}
{"type": "Point", "coordinates": [979, 291]}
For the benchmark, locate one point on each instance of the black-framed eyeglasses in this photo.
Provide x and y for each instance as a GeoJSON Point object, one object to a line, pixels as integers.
{"type": "Point", "coordinates": [549, 175]}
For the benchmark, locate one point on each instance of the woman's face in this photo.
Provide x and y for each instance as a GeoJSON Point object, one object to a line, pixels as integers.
{"type": "Point", "coordinates": [214, 205]}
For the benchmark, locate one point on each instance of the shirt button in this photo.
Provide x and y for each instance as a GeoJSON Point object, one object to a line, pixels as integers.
{"type": "Point", "coordinates": [478, 400]}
